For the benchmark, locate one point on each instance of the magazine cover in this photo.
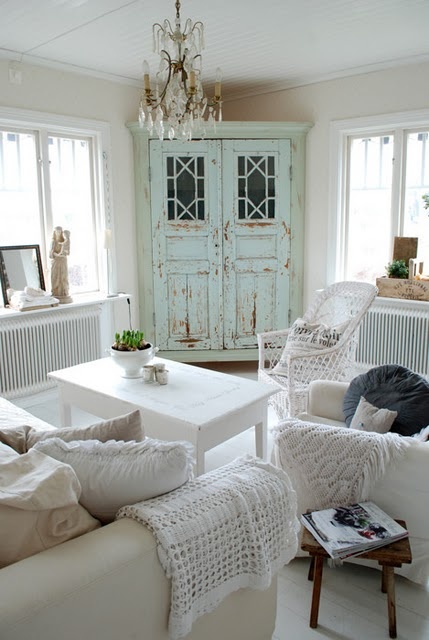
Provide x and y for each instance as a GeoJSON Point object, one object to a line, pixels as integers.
{"type": "Point", "coordinates": [354, 529]}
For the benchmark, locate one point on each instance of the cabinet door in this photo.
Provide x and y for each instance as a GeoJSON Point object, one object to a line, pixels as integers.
{"type": "Point", "coordinates": [256, 238]}
{"type": "Point", "coordinates": [186, 245]}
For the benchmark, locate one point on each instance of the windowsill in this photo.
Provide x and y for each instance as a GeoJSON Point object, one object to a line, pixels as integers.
{"type": "Point", "coordinates": [382, 300]}
{"type": "Point", "coordinates": [79, 300]}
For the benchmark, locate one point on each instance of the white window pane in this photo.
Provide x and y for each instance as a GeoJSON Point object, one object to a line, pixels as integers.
{"type": "Point", "coordinates": [19, 199]}
{"type": "Point", "coordinates": [416, 219]}
{"type": "Point", "coordinates": [369, 208]}
{"type": "Point", "coordinates": [73, 207]}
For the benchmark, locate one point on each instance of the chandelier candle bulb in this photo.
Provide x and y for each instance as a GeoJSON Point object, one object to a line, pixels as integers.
{"type": "Point", "coordinates": [146, 76]}
{"type": "Point", "coordinates": [218, 83]}
{"type": "Point", "coordinates": [192, 81]}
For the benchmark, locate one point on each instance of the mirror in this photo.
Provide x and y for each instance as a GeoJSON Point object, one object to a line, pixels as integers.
{"type": "Point", "coordinates": [20, 267]}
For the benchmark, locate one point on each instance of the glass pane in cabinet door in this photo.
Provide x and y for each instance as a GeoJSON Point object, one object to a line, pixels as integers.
{"type": "Point", "coordinates": [185, 188]}
{"type": "Point", "coordinates": [416, 216]}
{"type": "Point", "coordinates": [256, 187]}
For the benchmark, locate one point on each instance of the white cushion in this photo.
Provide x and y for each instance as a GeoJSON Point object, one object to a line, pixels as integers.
{"type": "Point", "coordinates": [370, 418]}
{"type": "Point", "coordinates": [115, 474]}
{"type": "Point", "coordinates": [304, 337]}
{"type": "Point", "coordinates": [38, 504]}
{"type": "Point", "coordinates": [126, 427]}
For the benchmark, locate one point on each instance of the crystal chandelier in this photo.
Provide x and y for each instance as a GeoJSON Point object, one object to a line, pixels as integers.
{"type": "Point", "coordinates": [175, 106]}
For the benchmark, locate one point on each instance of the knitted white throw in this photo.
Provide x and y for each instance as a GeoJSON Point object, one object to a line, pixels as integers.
{"type": "Point", "coordinates": [230, 528]}
{"type": "Point", "coordinates": [330, 465]}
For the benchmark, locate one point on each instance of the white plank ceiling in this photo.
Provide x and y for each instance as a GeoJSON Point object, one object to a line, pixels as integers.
{"type": "Point", "coordinates": [260, 45]}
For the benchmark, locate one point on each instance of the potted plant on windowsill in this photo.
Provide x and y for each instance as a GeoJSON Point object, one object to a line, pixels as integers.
{"type": "Point", "coordinates": [397, 269]}
{"type": "Point", "coordinates": [130, 351]}
{"type": "Point", "coordinates": [397, 284]}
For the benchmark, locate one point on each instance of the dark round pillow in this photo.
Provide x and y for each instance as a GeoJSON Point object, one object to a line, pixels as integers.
{"type": "Point", "coordinates": [392, 387]}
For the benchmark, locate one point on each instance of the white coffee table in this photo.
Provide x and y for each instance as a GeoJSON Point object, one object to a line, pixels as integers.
{"type": "Point", "coordinates": [199, 405]}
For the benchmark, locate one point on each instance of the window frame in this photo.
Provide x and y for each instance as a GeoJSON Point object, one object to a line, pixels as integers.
{"type": "Point", "coordinates": [98, 132]}
{"type": "Point", "coordinates": [398, 124]}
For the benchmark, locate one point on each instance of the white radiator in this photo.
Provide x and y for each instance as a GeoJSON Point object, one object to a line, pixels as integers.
{"type": "Point", "coordinates": [395, 332]}
{"type": "Point", "coordinates": [33, 345]}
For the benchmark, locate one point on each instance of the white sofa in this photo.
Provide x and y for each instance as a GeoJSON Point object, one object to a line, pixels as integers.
{"type": "Point", "coordinates": [402, 491]}
{"type": "Point", "coordinates": [108, 585]}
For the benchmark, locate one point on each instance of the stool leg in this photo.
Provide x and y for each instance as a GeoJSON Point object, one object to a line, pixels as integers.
{"type": "Point", "coordinates": [311, 569]}
{"type": "Point", "coordinates": [389, 584]}
{"type": "Point", "coordinates": [383, 579]}
{"type": "Point", "coordinates": [317, 585]}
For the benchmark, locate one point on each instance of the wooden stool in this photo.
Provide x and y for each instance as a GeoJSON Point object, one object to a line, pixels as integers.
{"type": "Point", "coordinates": [389, 557]}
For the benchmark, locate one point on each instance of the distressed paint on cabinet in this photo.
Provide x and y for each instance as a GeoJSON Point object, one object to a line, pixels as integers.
{"type": "Point", "coordinates": [295, 134]}
{"type": "Point", "coordinates": [256, 240]}
{"type": "Point", "coordinates": [186, 252]}
{"type": "Point", "coordinates": [220, 211]}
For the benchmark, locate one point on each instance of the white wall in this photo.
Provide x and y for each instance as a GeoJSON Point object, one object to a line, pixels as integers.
{"type": "Point", "coordinates": [400, 89]}
{"type": "Point", "coordinates": [394, 90]}
{"type": "Point", "coordinates": [59, 92]}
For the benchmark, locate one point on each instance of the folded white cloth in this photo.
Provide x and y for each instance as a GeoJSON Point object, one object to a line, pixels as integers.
{"type": "Point", "coordinates": [31, 298]}
{"type": "Point", "coordinates": [231, 528]}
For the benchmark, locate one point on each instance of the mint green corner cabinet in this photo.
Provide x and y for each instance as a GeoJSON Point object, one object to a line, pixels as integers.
{"type": "Point", "coordinates": [220, 237]}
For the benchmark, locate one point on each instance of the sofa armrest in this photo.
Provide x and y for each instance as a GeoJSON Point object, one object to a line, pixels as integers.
{"type": "Point", "coordinates": [325, 399]}
{"type": "Point", "coordinates": [13, 416]}
{"type": "Point", "coordinates": [109, 584]}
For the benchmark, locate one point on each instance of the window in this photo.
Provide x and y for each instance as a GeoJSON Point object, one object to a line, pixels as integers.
{"type": "Point", "coordinates": [51, 174]}
{"type": "Point", "coordinates": [380, 174]}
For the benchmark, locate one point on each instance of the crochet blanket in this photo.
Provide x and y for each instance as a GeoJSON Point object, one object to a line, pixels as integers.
{"type": "Point", "coordinates": [331, 466]}
{"type": "Point", "coordinates": [231, 528]}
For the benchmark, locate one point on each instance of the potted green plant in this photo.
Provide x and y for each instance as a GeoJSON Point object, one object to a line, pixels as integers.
{"type": "Point", "coordinates": [397, 269]}
{"type": "Point", "coordinates": [130, 352]}
{"type": "Point", "coordinates": [130, 340]}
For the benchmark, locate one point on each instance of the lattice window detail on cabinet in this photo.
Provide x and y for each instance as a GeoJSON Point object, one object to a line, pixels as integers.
{"type": "Point", "coordinates": [256, 187]}
{"type": "Point", "coordinates": [185, 188]}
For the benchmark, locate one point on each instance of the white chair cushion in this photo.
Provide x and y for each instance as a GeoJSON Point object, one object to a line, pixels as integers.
{"type": "Point", "coordinates": [115, 474]}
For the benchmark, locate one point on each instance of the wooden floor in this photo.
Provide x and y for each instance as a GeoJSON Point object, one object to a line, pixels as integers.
{"type": "Point", "coordinates": [352, 606]}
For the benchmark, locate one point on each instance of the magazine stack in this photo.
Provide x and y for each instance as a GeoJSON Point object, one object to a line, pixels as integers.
{"type": "Point", "coordinates": [354, 529]}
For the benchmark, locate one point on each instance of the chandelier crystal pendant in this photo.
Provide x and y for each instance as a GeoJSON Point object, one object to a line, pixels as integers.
{"type": "Point", "coordinates": [176, 105]}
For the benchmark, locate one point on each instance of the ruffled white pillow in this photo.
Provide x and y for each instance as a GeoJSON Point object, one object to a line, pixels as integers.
{"type": "Point", "coordinates": [115, 474]}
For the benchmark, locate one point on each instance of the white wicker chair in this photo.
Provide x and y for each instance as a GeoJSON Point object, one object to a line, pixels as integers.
{"type": "Point", "coordinates": [337, 303]}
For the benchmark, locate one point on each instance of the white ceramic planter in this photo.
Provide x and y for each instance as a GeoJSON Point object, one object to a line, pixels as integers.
{"type": "Point", "coordinates": [131, 362]}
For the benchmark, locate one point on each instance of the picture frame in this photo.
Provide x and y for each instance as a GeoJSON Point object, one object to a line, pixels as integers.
{"type": "Point", "coordinates": [20, 266]}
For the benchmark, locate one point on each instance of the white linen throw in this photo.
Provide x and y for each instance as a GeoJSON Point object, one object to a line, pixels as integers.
{"type": "Point", "coordinates": [231, 528]}
{"type": "Point", "coordinates": [331, 466]}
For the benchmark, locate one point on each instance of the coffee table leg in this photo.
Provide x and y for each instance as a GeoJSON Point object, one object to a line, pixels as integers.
{"type": "Point", "coordinates": [200, 459]}
{"type": "Point", "coordinates": [65, 408]}
{"type": "Point", "coordinates": [261, 439]}
{"type": "Point", "coordinates": [317, 586]}
{"type": "Point", "coordinates": [389, 584]}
